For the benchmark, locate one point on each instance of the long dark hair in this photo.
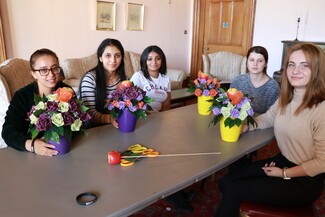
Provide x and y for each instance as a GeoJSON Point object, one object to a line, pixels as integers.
{"type": "Point", "coordinates": [144, 57]}
{"type": "Point", "coordinates": [260, 50]}
{"type": "Point", "coordinates": [101, 75]}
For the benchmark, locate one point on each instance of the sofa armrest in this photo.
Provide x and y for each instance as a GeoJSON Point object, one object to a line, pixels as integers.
{"type": "Point", "coordinates": [4, 103]}
{"type": "Point", "coordinates": [206, 63]}
{"type": "Point", "coordinates": [177, 78]}
{"type": "Point", "coordinates": [176, 75]}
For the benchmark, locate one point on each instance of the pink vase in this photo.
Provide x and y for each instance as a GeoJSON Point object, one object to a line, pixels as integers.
{"type": "Point", "coordinates": [126, 121]}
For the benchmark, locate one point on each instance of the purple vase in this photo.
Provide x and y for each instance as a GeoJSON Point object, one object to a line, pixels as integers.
{"type": "Point", "coordinates": [126, 121]}
{"type": "Point", "coordinates": [63, 146]}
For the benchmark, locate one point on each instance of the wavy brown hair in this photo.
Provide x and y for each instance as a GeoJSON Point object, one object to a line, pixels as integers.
{"type": "Point", "coordinates": [315, 89]}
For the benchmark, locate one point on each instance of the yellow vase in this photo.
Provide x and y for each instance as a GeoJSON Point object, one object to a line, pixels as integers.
{"type": "Point", "coordinates": [204, 105]}
{"type": "Point", "coordinates": [229, 134]}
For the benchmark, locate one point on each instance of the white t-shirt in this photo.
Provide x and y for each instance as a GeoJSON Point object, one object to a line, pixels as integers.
{"type": "Point", "coordinates": [157, 88]}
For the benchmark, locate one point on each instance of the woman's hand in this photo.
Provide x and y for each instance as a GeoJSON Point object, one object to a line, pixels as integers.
{"type": "Point", "coordinates": [113, 121]}
{"type": "Point", "coordinates": [245, 128]}
{"type": "Point", "coordinates": [43, 148]}
{"type": "Point", "coordinates": [271, 170]}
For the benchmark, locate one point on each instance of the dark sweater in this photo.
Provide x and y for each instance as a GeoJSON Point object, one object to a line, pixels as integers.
{"type": "Point", "coordinates": [15, 129]}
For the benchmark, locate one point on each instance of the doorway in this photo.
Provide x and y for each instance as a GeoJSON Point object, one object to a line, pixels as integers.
{"type": "Point", "coordinates": [221, 25]}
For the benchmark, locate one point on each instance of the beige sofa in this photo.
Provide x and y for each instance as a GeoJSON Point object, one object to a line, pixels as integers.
{"type": "Point", "coordinates": [15, 74]}
{"type": "Point", "coordinates": [74, 69]}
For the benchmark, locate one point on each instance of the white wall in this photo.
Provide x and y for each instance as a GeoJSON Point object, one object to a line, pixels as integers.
{"type": "Point", "coordinates": [276, 21]}
{"type": "Point", "coordinates": [68, 27]}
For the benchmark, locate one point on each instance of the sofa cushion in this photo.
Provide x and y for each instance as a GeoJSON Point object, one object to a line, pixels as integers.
{"type": "Point", "coordinates": [74, 70]}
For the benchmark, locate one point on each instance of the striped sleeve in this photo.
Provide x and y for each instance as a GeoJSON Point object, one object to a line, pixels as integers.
{"type": "Point", "coordinates": [88, 91]}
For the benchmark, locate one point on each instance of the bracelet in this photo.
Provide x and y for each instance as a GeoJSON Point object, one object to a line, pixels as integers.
{"type": "Point", "coordinates": [32, 149]}
{"type": "Point", "coordinates": [284, 174]}
{"type": "Point", "coordinates": [86, 199]}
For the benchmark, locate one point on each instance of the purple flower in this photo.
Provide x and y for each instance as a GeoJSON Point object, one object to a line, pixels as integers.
{"type": "Point", "coordinates": [52, 106]}
{"type": "Point", "coordinates": [84, 116]}
{"type": "Point", "coordinates": [67, 118]}
{"type": "Point", "coordinates": [250, 112]}
{"type": "Point", "coordinates": [234, 113]}
{"type": "Point", "coordinates": [110, 106]}
{"type": "Point", "coordinates": [44, 122]}
{"type": "Point", "coordinates": [140, 97]}
{"type": "Point", "coordinates": [73, 105]}
{"type": "Point", "coordinates": [130, 93]}
{"type": "Point", "coordinates": [116, 94]}
{"type": "Point", "coordinates": [202, 81]}
{"type": "Point", "coordinates": [132, 108]}
{"type": "Point", "coordinates": [206, 92]}
{"type": "Point", "coordinates": [216, 111]}
{"type": "Point", "coordinates": [121, 105]}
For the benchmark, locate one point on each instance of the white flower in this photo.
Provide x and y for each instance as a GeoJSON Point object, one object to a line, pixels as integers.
{"type": "Point", "coordinates": [57, 119]}
{"type": "Point", "coordinates": [76, 125]}
{"type": "Point", "coordinates": [33, 119]}
{"type": "Point", "coordinates": [40, 106]}
{"type": "Point", "coordinates": [225, 111]}
{"type": "Point", "coordinates": [63, 106]}
{"type": "Point", "coordinates": [243, 114]}
{"type": "Point", "coordinates": [51, 97]}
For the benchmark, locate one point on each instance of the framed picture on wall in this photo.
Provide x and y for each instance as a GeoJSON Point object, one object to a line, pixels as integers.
{"type": "Point", "coordinates": [105, 15]}
{"type": "Point", "coordinates": [135, 15]}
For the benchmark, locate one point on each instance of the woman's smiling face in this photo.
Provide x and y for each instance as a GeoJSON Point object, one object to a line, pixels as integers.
{"type": "Point", "coordinates": [298, 71]}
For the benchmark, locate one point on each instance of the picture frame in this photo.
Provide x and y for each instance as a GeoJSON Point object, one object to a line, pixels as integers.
{"type": "Point", "coordinates": [135, 16]}
{"type": "Point", "coordinates": [106, 12]}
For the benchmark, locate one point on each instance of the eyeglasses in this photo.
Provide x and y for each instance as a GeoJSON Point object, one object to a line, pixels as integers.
{"type": "Point", "coordinates": [44, 72]}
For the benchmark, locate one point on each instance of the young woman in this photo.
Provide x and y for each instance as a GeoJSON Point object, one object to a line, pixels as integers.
{"type": "Point", "coordinates": [294, 177]}
{"type": "Point", "coordinates": [46, 72]}
{"type": "Point", "coordinates": [256, 83]}
{"type": "Point", "coordinates": [153, 79]}
{"type": "Point", "coordinates": [97, 84]}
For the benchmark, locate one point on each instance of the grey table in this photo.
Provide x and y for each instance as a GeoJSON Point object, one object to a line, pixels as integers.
{"type": "Point", "coordinates": [33, 185]}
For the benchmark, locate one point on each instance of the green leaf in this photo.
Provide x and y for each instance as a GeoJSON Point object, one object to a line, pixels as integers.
{"type": "Point", "coordinates": [191, 89]}
{"type": "Point", "coordinates": [47, 135]}
{"type": "Point", "coordinates": [37, 98]}
{"type": "Point", "coordinates": [34, 132]}
{"type": "Point", "coordinates": [55, 137]}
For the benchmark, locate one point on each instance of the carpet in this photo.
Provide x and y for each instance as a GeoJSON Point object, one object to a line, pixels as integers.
{"type": "Point", "coordinates": [206, 199]}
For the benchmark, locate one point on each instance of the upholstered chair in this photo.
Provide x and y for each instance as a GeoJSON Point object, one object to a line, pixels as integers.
{"type": "Point", "coordinates": [14, 74]}
{"type": "Point", "coordinates": [224, 65]}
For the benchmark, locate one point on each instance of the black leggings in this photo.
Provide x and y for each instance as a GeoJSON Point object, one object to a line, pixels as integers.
{"type": "Point", "coordinates": [250, 183]}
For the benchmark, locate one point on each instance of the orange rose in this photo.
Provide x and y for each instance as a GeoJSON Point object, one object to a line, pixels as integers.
{"type": "Point", "coordinates": [215, 81]}
{"type": "Point", "coordinates": [64, 94]}
{"type": "Point", "coordinates": [235, 95]}
{"type": "Point", "coordinates": [198, 92]}
{"type": "Point", "coordinates": [213, 92]}
{"type": "Point", "coordinates": [196, 82]}
{"type": "Point", "coordinates": [127, 103]}
{"type": "Point", "coordinates": [115, 103]}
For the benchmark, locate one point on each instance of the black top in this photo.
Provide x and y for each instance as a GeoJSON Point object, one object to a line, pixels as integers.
{"type": "Point", "coordinates": [15, 127]}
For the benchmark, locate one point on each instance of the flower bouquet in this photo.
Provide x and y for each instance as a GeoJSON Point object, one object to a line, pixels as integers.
{"type": "Point", "coordinates": [231, 107]}
{"type": "Point", "coordinates": [130, 102]}
{"type": "Point", "coordinates": [56, 115]}
{"type": "Point", "coordinates": [205, 88]}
